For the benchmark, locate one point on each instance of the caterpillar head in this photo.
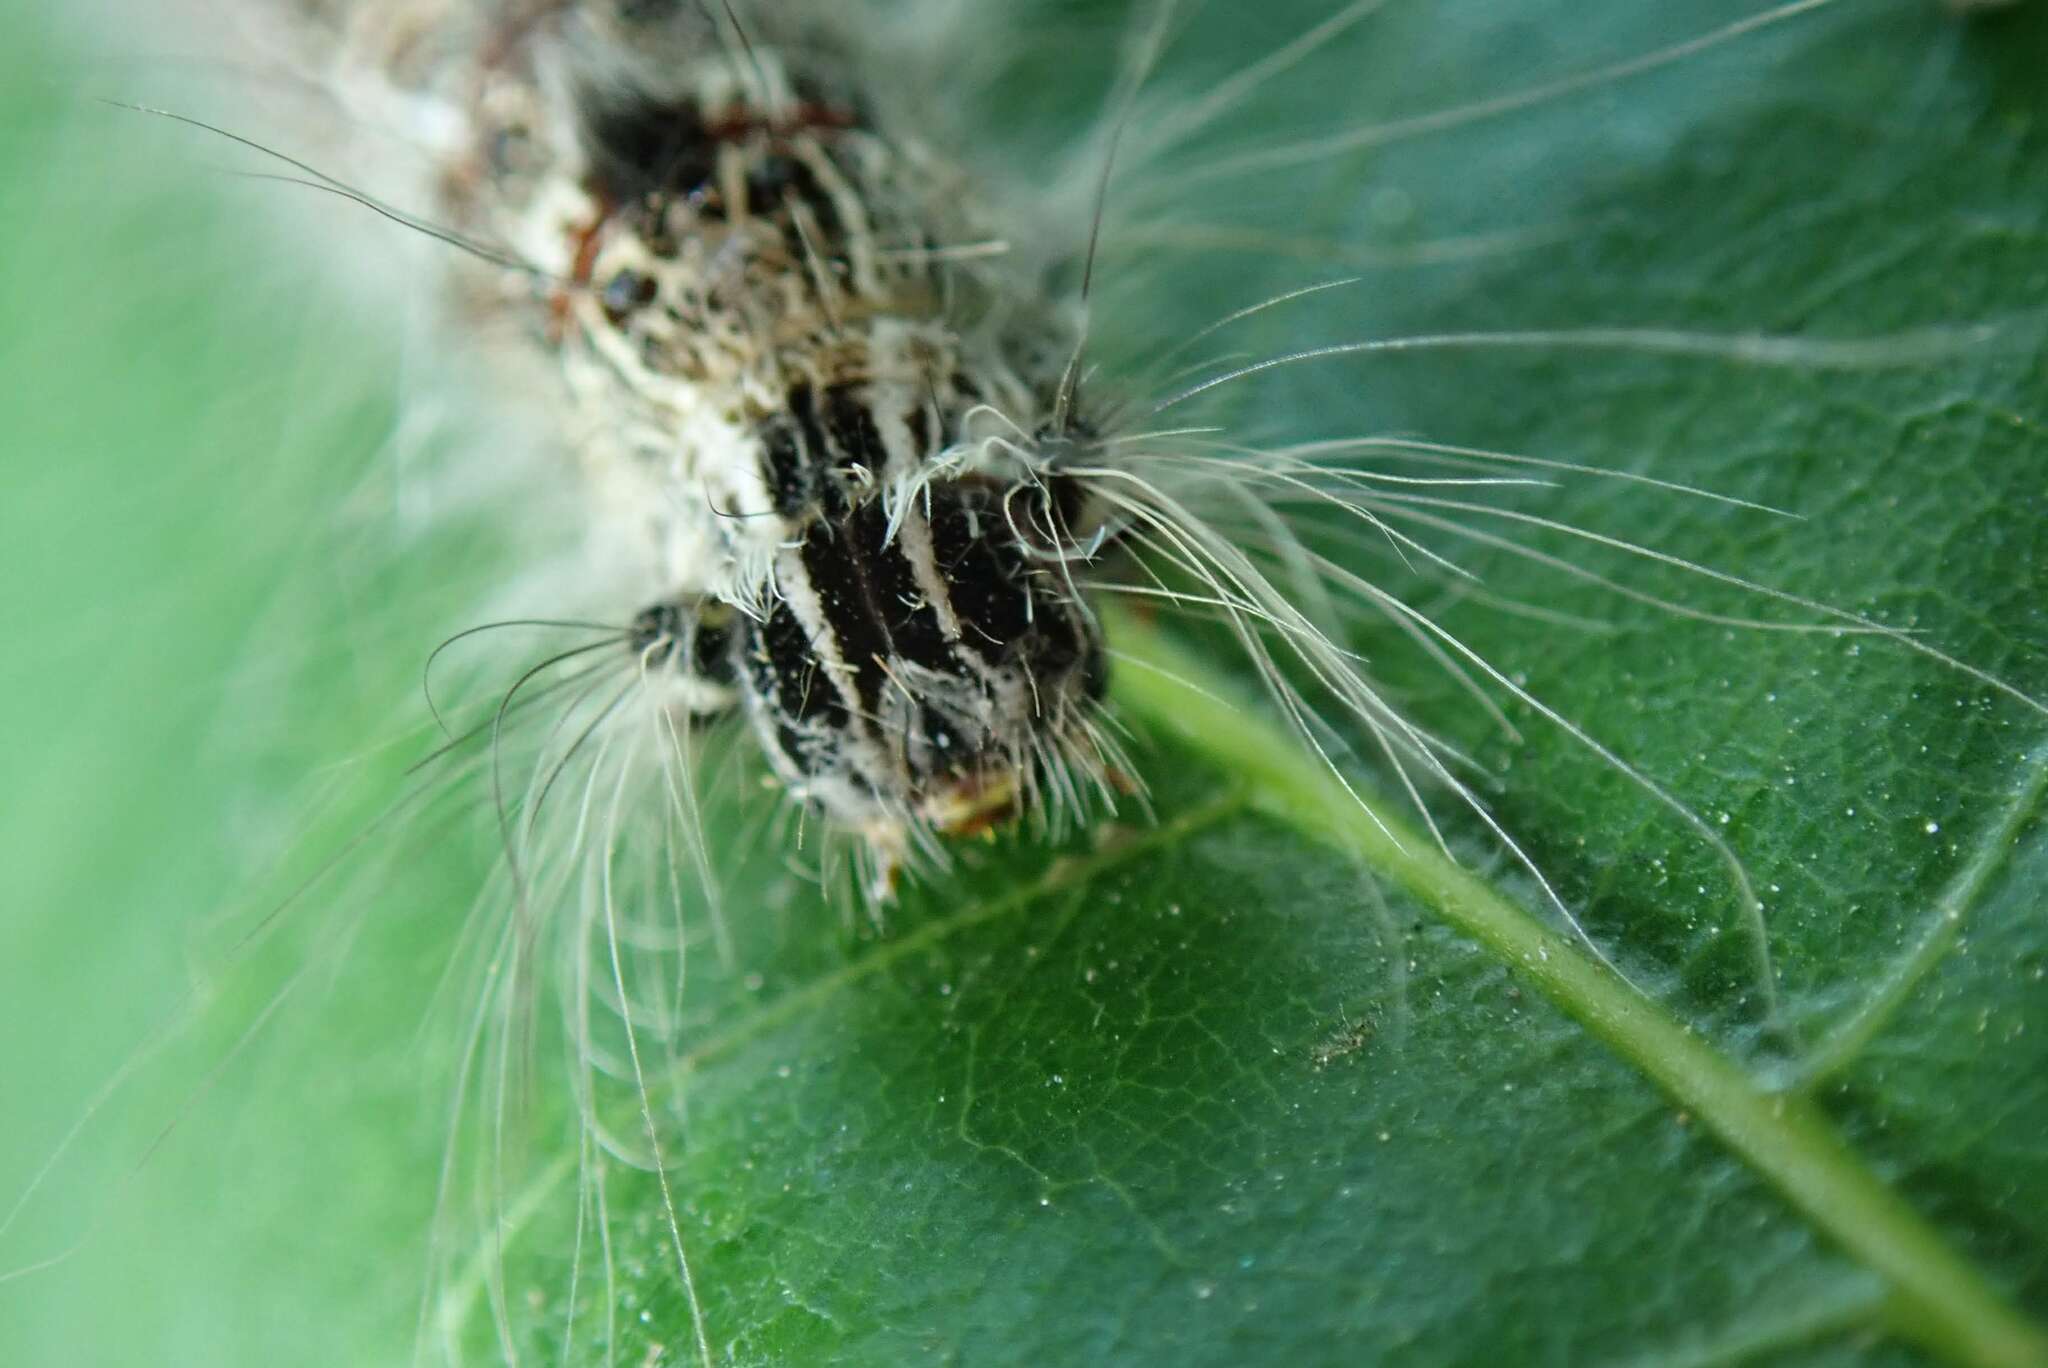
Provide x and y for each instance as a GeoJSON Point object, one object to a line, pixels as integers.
{"type": "Point", "coordinates": [922, 666]}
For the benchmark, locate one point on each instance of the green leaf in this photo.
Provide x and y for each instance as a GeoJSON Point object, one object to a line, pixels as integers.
{"type": "Point", "coordinates": [1254, 1079]}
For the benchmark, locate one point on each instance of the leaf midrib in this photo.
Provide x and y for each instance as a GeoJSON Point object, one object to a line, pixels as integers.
{"type": "Point", "coordinates": [1937, 1296]}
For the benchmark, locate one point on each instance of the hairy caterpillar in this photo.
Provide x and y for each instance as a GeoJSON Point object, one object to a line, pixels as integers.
{"type": "Point", "coordinates": [655, 641]}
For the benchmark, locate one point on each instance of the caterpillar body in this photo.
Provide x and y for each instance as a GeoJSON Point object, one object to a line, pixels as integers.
{"type": "Point", "coordinates": [837, 491]}
{"type": "Point", "coordinates": [839, 446]}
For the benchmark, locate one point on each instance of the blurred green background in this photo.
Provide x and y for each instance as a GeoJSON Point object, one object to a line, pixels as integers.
{"type": "Point", "coordinates": [187, 713]}
{"type": "Point", "coordinates": [217, 606]}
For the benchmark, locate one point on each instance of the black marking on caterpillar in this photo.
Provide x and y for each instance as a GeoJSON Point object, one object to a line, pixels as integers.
{"type": "Point", "coordinates": [871, 501]}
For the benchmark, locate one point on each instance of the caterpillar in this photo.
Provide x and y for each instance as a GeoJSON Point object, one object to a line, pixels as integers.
{"type": "Point", "coordinates": [838, 493]}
